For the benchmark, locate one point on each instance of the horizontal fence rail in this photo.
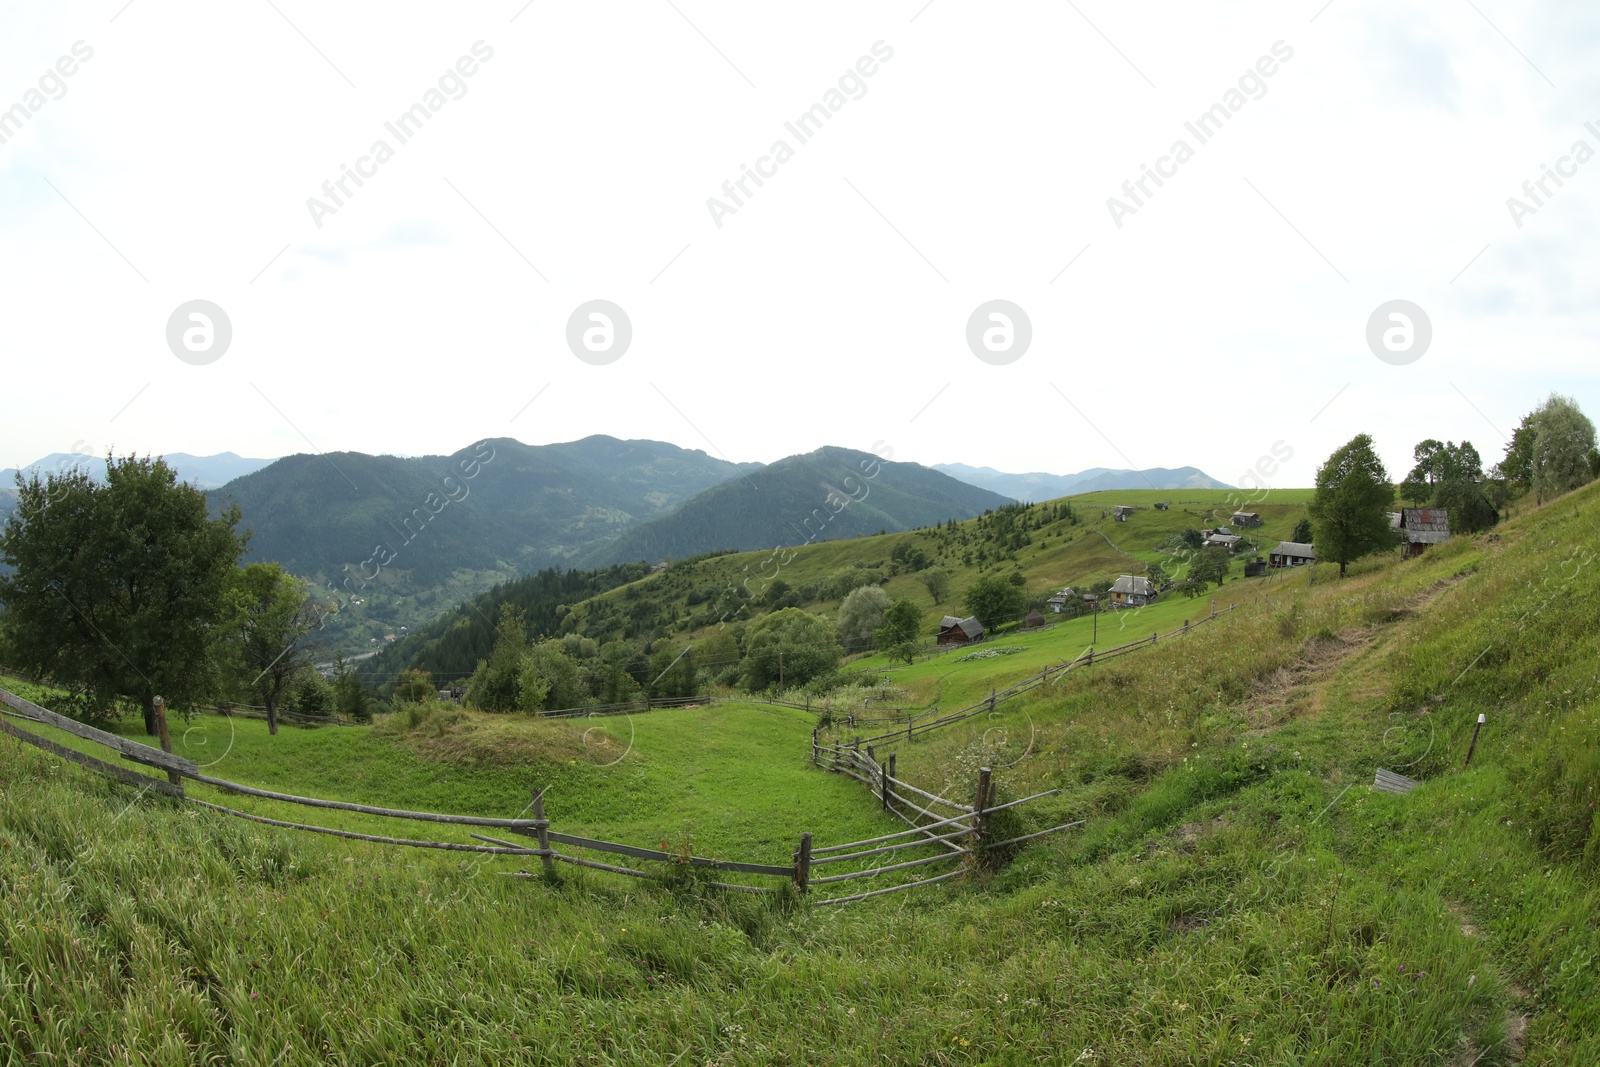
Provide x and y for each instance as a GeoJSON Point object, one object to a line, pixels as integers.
{"type": "Point", "coordinates": [957, 837]}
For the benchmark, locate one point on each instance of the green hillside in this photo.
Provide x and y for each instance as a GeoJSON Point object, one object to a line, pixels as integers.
{"type": "Point", "coordinates": [1238, 893]}
{"type": "Point", "coordinates": [1053, 544]}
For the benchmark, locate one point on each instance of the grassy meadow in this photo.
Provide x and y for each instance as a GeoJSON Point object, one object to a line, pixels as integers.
{"type": "Point", "coordinates": [1238, 893]}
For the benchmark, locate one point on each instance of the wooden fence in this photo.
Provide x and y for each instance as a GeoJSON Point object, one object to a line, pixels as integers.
{"type": "Point", "coordinates": [544, 840]}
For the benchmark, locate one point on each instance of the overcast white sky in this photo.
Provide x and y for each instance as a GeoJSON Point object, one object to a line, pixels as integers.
{"type": "Point", "coordinates": [1227, 314]}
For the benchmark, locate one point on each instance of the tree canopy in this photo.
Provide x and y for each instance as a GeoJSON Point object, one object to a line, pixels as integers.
{"type": "Point", "coordinates": [1349, 511]}
{"type": "Point", "coordinates": [1563, 437]}
{"type": "Point", "coordinates": [789, 648]}
{"type": "Point", "coordinates": [117, 590]}
{"type": "Point", "coordinates": [860, 615]}
{"type": "Point", "coordinates": [898, 635]}
{"type": "Point", "coordinates": [994, 600]}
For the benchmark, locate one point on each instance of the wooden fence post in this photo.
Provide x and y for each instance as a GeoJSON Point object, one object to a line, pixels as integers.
{"type": "Point", "coordinates": [542, 826]}
{"type": "Point", "coordinates": [991, 700]}
{"type": "Point", "coordinates": [802, 864]}
{"type": "Point", "coordinates": [160, 708]}
{"type": "Point", "coordinates": [814, 752]}
{"type": "Point", "coordinates": [980, 818]}
{"type": "Point", "coordinates": [886, 787]}
{"type": "Point", "coordinates": [883, 784]}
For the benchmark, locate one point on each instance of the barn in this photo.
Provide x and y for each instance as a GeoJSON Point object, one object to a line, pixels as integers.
{"type": "Point", "coordinates": [954, 631]}
{"type": "Point", "coordinates": [1421, 527]}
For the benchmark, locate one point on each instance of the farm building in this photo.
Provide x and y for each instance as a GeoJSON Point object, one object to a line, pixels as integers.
{"type": "Point", "coordinates": [1226, 540]}
{"type": "Point", "coordinates": [1421, 527]}
{"type": "Point", "coordinates": [1291, 554]}
{"type": "Point", "coordinates": [1246, 518]}
{"type": "Point", "coordinates": [1256, 568]}
{"type": "Point", "coordinates": [1122, 512]}
{"type": "Point", "coordinates": [954, 631]}
{"type": "Point", "coordinates": [1131, 591]}
{"type": "Point", "coordinates": [1058, 602]}
{"type": "Point", "coordinates": [1034, 620]}
{"type": "Point", "coordinates": [1163, 506]}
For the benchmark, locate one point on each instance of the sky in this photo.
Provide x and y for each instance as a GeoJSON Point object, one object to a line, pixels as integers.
{"type": "Point", "coordinates": [945, 253]}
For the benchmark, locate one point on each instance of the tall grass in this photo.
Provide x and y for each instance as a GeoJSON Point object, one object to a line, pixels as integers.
{"type": "Point", "coordinates": [1239, 894]}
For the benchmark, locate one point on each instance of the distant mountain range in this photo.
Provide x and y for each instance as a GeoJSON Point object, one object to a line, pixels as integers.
{"type": "Point", "coordinates": [499, 505]}
{"type": "Point", "coordinates": [207, 472]}
{"type": "Point", "coordinates": [824, 495]}
{"type": "Point", "coordinates": [1032, 488]}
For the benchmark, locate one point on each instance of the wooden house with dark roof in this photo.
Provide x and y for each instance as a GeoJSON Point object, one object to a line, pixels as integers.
{"type": "Point", "coordinates": [954, 631]}
{"type": "Point", "coordinates": [1421, 527]}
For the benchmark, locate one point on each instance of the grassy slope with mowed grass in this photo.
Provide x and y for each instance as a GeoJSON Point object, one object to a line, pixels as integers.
{"type": "Point", "coordinates": [1239, 894]}
{"type": "Point", "coordinates": [730, 781]}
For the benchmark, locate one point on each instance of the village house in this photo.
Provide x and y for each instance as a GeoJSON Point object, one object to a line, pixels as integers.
{"type": "Point", "coordinates": [1291, 554]}
{"type": "Point", "coordinates": [1421, 527]}
{"type": "Point", "coordinates": [1122, 512]}
{"type": "Point", "coordinates": [1226, 540]}
{"type": "Point", "coordinates": [954, 631]}
{"type": "Point", "coordinates": [1246, 518]}
{"type": "Point", "coordinates": [1058, 602]}
{"type": "Point", "coordinates": [1131, 591]}
{"type": "Point", "coordinates": [1163, 506]}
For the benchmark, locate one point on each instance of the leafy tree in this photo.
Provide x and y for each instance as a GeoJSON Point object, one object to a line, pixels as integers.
{"type": "Point", "coordinates": [936, 580]}
{"type": "Point", "coordinates": [898, 634]}
{"type": "Point", "coordinates": [563, 687]}
{"type": "Point", "coordinates": [1517, 466]}
{"type": "Point", "coordinates": [497, 683]}
{"type": "Point", "coordinates": [789, 648]}
{"type": "Point", "coordinates": [350, 697]}
{"type": "Point", "coordinates": [994, 600]}
{"type": "Point", "coordinates": [1450, 476]}
{"type": "Point", "coordinates": [1350, 509]}
{"type": "Point", "coordinates": [1563, 437]}
{"type": "Point", "coordinates": [672, 671]}
{"type": "Point", "coordinates": [311, 695]}
{"type": "Point", "coordinates": [1193, 539]}
{"type": "Point", "coordinates": [1209, 568]}
{"type": "Point", "coordinates": [1302, 532]}
{"type": "Point", "coordinates": [1431, 457]}
{"type": "Point", "coordinates": [272, 618]}
{"type": "Point", "coordinates": [414, 686]}
{"type": "Point", "coordinates": [860, 615]}
{"type": "Point", "coordinates": [118, 590]}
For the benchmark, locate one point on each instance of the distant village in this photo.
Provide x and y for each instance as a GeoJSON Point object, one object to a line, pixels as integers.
{"type": "Point", "coordinates": [1416, 529]}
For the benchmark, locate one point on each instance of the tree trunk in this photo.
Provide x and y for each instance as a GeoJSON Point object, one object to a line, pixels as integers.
{"type": "Point", "coordinates": [272, 716]}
